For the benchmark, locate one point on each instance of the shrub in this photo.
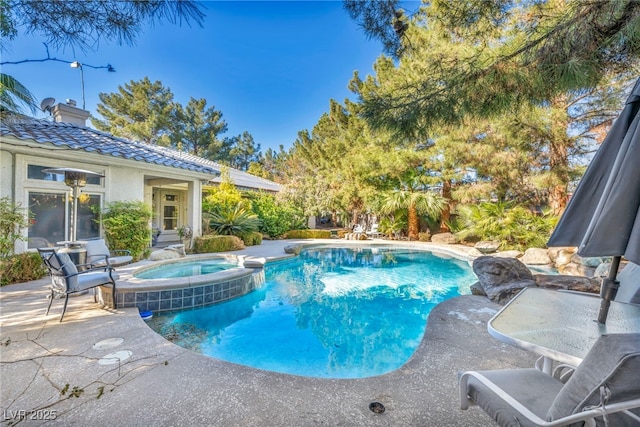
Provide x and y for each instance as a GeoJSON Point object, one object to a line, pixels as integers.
{"type": "Point", "coordinates": [21, 268]}
{"type": "Point", "coordinates": [424, 237]}
{"type": "Point", "coordinates": [515, 227]}
{"type": "Point", "coordinates": [308, 234]}
{"type": "Point", "coordinates": [126, 226]}
{"type": "Point", "coordinates": [251, 238]}
{"type": "Point", "coordinates": [233, 222]}
{"type": "Point", "coordinates": [277, 217]}
{"type": "Point", "coordinates": [13, 218]}
{"type": "Point", "coordinates": [214, 243]}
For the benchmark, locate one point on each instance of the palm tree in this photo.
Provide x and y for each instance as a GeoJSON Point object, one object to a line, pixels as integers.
{"type": "Point", "coordinates": [13, 94]}
{"type": "Point", "coordinates": [418, 201]}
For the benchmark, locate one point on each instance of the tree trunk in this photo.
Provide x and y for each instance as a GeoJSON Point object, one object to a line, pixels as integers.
{"type": "Point", "coordinates": [414, 222]}
{"type": "Point", "coordinates": [559, 156]}
{"type": "Point", "coordinates": [446, 212]}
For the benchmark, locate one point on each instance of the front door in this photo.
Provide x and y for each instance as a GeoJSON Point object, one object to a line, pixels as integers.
{"type": "Point", "coordinates": [169, 211]}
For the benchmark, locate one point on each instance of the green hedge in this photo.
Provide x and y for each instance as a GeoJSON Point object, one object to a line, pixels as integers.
{"type": "Point", "coordinates": [251, 238]}
{"type": "Point", "coordinates": [308, 234]}
{"type": "Point", "coordinates": [215, 243]}
{"type": "Point", "coordinates": [21, 268]}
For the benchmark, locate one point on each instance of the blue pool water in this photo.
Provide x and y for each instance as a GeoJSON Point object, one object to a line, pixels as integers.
{"type": "Point", "coordinates": [186, 269]}
{"type": "Point", "coordinates": [331, 313]}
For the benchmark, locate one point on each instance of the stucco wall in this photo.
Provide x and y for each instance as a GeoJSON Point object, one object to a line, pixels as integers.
{"type": "Point", "coordinates": [6, 174]}
{"type": "Point", "coordinates": [124, 184]}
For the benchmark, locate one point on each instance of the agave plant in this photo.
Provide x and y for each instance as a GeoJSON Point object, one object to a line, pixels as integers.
{"type": "Point", "coordinates": [233, 221]}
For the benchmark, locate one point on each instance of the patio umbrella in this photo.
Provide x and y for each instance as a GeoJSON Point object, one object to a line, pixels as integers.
{"type": "Point", "coordinates": [603, 216]}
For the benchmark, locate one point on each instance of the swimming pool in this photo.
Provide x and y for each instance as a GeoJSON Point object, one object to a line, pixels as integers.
{"type": "Point", "coordinates": [332, 312]}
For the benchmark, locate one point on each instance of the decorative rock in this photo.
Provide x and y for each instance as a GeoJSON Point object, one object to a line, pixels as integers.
{"type": "Point", "coordinates": [508, 254]}
{"type": "Point", "coordinates": [536, 256]}
{"type": "Point", "coordinates": [502, 278]}
{"type": "Point", "coordinates": [573, 269]}
{"type": "Point", "coordinates": [163, 254]}
{"type": "Point", "coordinates": [487, 247]}
{"type": "Point", "coordinates": [563, 256]}
{"type": "Point", "coordinates": [588, 261]}
{"type": "Point", "coordinates": [602, 270]}
{"type": "Point", "coordinates": [446, 238]}
{"type": "Point", "coordinates": [293, 249]}
{"type": "Point", "coordinates": [476, 289]}
{"type": "Point", "coordinates": [573, 283]}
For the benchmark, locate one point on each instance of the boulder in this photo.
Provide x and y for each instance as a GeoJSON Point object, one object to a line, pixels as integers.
{"type": "Point", "coordinates": [445, 238]}
{"type": "Point", "coordinates": [508, 254]}
{"type": "Point", "coordinates": [502, 278]}
{"type": "Point", "coordinates": [573, 269]}
{"type": "Point", "coordinates": [476, 289]}
{"type": "Point", "coordinates": [164, 254]}
{"type": "Point", "coordinates": [536, 256]}
{"type": "Point", "coordinates": [572, 283]}
{"type": "Point", "coordinates": [587, 261]}
{"type": "Point", "coordinates": [487, 247]}
{"type": "Point", "coordinates": [293, 249]}
{"type": "Point", "coordinates": [561, 255]}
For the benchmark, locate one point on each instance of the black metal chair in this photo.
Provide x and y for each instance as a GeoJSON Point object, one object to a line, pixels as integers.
{"type": "Point", "coordinates": [66, 279]}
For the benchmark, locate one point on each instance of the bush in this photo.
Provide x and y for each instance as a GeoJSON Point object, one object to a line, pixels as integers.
{"type": "Point", "coordinates": [424, 237]}
{"type": "Point", "coordinates": [251, 238]}
{"type": "Point", "coordinates": [126, 226]}
{"type": "Point", "coordinates": [277, 217]}
{"type": "Point", "coordinates": [214, 243]}
{"type": "Point", "coordinates": [514, 226]}
{"type": "Point", "coordinates": [233, 222]}
{"type": "Point", "coordinates": [13, 218]}
{"type": "Point", "coordinates": [308, 234]}
{"type": "Point", "coordinates": [21, 268]}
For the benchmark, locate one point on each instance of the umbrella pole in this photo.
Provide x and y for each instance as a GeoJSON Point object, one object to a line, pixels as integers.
{"type": "Point", "coordinates": [609, 289]}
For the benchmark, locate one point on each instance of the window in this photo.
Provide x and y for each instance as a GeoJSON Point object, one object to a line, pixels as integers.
{"type": "Point", "coordinates": [49, 211]}
{"type": "Point", "coordinates": [35, 172]}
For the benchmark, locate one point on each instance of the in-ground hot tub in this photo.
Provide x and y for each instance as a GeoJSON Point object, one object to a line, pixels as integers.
{"type": "Point", "coordinates": [191, 282]}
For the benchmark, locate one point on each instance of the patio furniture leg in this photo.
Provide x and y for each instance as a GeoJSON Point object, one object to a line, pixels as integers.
{"type": "Point", "coordinates": [66, 300]}
{"type": "Point", "coordinates": [50, 302]}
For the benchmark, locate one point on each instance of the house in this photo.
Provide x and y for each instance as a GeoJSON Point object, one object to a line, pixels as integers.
{"type": "Point", "coordinates": [170, 181]}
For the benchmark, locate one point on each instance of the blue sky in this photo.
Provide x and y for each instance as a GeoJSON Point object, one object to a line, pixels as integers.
{"type": "Point", "coordinates": [270, 67]}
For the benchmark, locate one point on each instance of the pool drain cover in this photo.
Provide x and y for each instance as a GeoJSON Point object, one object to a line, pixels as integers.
{"type": "Point", "coordinates": [116, 357]}
{"type": "Point", "coordinates": [108, 343]}
{"type": "Point", "coordinates": [376, 407]}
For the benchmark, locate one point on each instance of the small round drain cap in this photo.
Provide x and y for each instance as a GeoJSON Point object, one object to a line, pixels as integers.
{"type": "Point", "coordinates": [376, 407]}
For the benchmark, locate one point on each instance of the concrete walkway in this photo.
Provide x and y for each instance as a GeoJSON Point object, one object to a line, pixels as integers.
{"type": "Point", "coordinates": [55, 370]}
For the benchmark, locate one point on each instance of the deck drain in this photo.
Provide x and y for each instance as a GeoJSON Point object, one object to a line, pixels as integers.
{"type": "Point", "coordinates": [376, 407]}
{"type": "Point", "coordinates": [108, 343]}
{"type": "Point", "coordinates": [116, 357]}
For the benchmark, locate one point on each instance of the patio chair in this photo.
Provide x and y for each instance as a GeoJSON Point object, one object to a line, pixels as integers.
{"type": "Point", "coordinates": [99, 255]}
{"type": "Point", "coordinates": [66, 279]}
{"type": "Point", "coordinates": [358, 229]}
{"type": "Point", "coordinates": [603, 390]}
{"type": "Point", "coordinates": [373, 231]}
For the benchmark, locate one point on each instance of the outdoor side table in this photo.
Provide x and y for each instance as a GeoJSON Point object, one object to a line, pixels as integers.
{"type": "Point", "coordinates": [559, 325]}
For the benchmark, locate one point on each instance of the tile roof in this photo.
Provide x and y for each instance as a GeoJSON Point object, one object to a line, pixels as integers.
{"type": "Point", "coordinates": [91, 140]}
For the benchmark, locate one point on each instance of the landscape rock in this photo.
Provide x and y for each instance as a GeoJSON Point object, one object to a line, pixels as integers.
{"type": "Point", "coordinates": [561, 255]}
{"type": "Point", "coordinates": [573, 283]}
{"type": "Point", "coordinates": [476, 289]}
{"type": "Point", "coordinates": [164, 254]}
{"type": "Point", "coordinates": [487, 247]}
{"type": "Point", "coordinates": [502, 278]}
{"type": "Point", "coordinates": [509, 254]}
{"type": "Point", "coordinates": [293, 249]}
{"type": "Point", "coordinates": [536, 256]}
{"type": "Point", "coordinates": [588, 261]}
{"type": "Point", "coordinates": [445, 238]}
{"type": "Point", "coordinates": [573, 269]}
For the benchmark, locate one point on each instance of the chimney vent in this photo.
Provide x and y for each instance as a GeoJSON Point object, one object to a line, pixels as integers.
{"type": "Point", "coordinates": [69, 113]}
{"type": "Point", "coordinates": [71, 102]}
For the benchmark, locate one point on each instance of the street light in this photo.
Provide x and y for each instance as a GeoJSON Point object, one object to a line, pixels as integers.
{"type": "Point", "coordinates": [76, 64]}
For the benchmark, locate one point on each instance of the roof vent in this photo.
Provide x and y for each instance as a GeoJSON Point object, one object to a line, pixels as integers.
{"type": "Point", "coordinates": [71, 102]}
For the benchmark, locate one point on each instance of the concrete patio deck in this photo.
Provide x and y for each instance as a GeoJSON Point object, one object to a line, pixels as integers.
{"type": "Point", "coordinates": [51, 369]}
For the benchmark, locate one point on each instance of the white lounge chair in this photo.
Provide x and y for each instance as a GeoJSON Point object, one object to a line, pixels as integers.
{"type": "Point", "coordinates": [606, 385]}
{"type": "Point", "coordinates": [373, 231]}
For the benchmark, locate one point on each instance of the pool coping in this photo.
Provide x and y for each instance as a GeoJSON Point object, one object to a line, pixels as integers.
{"type": "Point", "coordinates": [163, 384]}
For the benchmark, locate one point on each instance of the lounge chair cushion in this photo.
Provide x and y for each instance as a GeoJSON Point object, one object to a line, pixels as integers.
{"type": "Point", "coordinates": [531, 387]}
{"type": "Point", "coordinates": [612, 362]}
{"type": "Point", "coordinates": [69, 269]}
